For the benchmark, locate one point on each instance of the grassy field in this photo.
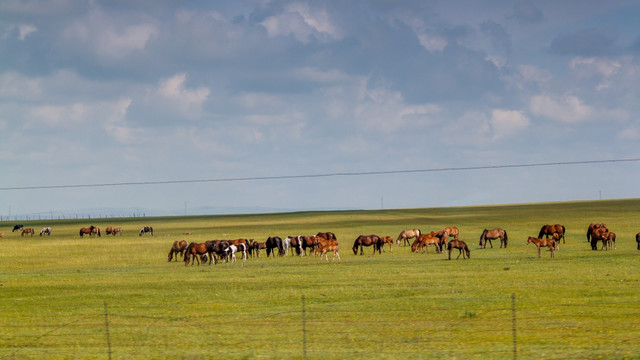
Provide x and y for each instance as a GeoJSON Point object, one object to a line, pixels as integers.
{"type": "Point", "coordinates": [65, 296]}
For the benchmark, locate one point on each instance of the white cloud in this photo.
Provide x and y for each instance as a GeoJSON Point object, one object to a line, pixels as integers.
{"type": "Point", "coordinates": [605, 68]}
{"type": "Point", "coordinates": [507, 122]}
{"type": "Point", "coordinates": [56, 115]}
{"type": "Point", "coordinates": [531, 73]}
{"type": "Point", "coordinates": [25, 29]}
{"type": "Point", "coordinates": [301, 21]}
{"type": "Point", "coordinates": [567, 109]}
{"type": "Point", "coordinates": [432, 43]}
{"type": "Point", "coordinates": [14, 85]}
{"type": "Point", "coordinates": [174, 91]}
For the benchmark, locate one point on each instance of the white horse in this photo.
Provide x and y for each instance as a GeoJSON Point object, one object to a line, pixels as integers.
{"type": "Point", "coordinates": [233, 249]}
{"type": "Point", "coordinates": [46, 230]}
{"type": "Point", "coordinates": [286, 245]}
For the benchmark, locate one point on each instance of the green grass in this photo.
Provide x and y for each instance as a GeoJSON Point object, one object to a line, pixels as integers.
{"type": "Point", "coordinates": [58, 293]}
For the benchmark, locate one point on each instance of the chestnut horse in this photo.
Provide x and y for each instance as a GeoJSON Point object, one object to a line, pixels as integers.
{"type": "Point", "coordinates": [423, 242]}
{"type": "Point", "coordinates": [452, 231]}
{"type": "Point", "coordinates": [549, 230]}
{"type": "Point", "coordinates": [178, 247]}
{"type": "Point", "coordinates": [112, 230]}
{"type": "Point", "coordinates": [367, 240]}
{"type": "Point", "coordinates": [599, 234]}
{"type": "Point", "coordinates": [550, 243]}
{"type": "Point", "coordinates": [387, 240]}
{"type": "Point", "coordinates": [193, 252]}
{"type": "Point", "coordinates": [488, 235]}
{"type": "Point", "coordinates": [462, 248]}
{"type": "Point", "coordinates": [594, 226]}
{"type": "Point", "coordinates": [405, 235]}
{"type": "Point", "coordinates": [27, 231]}
{"type": "Point", "coordinates": [610, 241]}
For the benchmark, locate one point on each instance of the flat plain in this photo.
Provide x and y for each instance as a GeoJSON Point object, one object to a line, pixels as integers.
{"type": "Point", "coordinates": [69, 297]}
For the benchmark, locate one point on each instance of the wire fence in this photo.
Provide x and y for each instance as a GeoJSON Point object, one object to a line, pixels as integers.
{"type": "Point", "coordinates": [497, 327]}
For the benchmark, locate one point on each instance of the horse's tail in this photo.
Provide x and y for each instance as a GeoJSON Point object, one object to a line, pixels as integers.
{"type": "Point", "coordinates": [466, 249]}
{"type": "Point", "coordinates": [186, 252]}
{"type": "Point", "coordinates": [564, 230]}
{"type": "Point", "coordinates": [541, 233]}
{"type": "Point", "coordinates": [483, 237]}
{"type": "Point", "coordinates": [506, 238]}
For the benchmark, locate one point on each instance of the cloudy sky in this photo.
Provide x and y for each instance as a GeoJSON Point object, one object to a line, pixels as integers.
{"type": "Point", "coordinates": [113, 92]}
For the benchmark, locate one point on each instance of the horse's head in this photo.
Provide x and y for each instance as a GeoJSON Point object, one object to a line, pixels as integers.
{"type": "Point", "coordinates": [530, 240]}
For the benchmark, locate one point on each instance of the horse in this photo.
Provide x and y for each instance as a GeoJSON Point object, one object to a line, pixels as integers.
{"type": "Point", "coordinates": [194, 250]}
{"type": "Point", "coordinates": [256, 247]}
{"type": "Point", "coordinates": [96, 230]}
{"type": "Point", "coordinates": [177, 247]}
{"type": "Point", "coordinates": [113, 230]}
{"type": "Point", "coordinates": [17, 227]}
{"type": "Point", "coordinates": [423, 242]}
{"type": "Point", "coordinates": [594, 226]}
{"type": "Point", "coordinates": [45, 230]}
{"type": "Point", "coordinates": [599, 234]}
{"type": "Point", "coordinates": [462, 248]}
{"type": "Point", "coordinates": [539, 242]}
{"type": "Point", "coordinates": [145, 230]}
{"type": "Point", "coordinates": [293, 242]}
{"type": "Point", "coordinates": [405, 235]}
{"type": "Point", "coordinates": [327, 235]}
{"type": "Point", "coordinates": [330, 246]}
{"type": "Point", "coordinates": [452, 231]}
{"type": "Point", "coordinates": [549, 230]}
{"type": "Point", "coordinates": [307, 242]}
{"type": "Point", "coordinates": [87, 230]}
{"type": "Point", "coordinates": [272, 243]}
{"type": "Point", "coordinates": [27, 231]}
{"type": "Point", "coordinates": [366, 240]}
{"type": "Point", "coordinates": [387, 240]}
{"type": "Point", "coordinates": [488, 235]}
{"type": "Point", "coordinates": [233, 249]}
{"type": "Point", "coordinates": [610, 241]}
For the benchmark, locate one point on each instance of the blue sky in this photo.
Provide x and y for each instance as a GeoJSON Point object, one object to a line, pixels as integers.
{"type": "Point", "coordinates": [99, 92]}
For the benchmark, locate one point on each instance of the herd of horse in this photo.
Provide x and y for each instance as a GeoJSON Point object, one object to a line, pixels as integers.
{"type": "Point", "coordinates": [322, 243]}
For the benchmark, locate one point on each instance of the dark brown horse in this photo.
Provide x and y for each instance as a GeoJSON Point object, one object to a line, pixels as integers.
{"type": "Point", "coordinates": [273, 243]}
{"type": "Point", "coordinates": [194, 251]}
{"type": "Point", "coordinates": [539, 242]}
{"type": "Point", "coordinates": [462, 248]}
{"type": "Point", "coordinates": [405, 235]}
{"type": "Point", "coordinates": [549, 230]}
{"type": "Point", "coordinates": [599, 234]}
{"type": "Point", "coordinates": [367, 240]}
{"type": "Point", "coordinates": [27, 231]}
{"type": "Point", "coordinates": [307, 242]}
{"type": "Point", "coordinates": [178, 247]}
{"type": "Point", "coordinates": [488, 235]}
{"type": "Point", "coordinates": [594, 226]}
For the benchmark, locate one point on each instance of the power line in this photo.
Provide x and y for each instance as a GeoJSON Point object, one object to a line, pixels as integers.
{"type": "Point", "coordinates": [335, 174]}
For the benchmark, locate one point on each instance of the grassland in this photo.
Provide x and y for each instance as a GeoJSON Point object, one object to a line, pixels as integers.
{"type": "Point", "coordinates": [65, 296]}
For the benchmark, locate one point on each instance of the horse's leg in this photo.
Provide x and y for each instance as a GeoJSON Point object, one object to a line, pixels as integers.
{"type": "Point", "coordinates": [538, 250]}
{"type": "Point", "coordinates": [459, 253]}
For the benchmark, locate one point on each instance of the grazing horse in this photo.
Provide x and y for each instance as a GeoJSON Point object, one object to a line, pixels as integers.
{"type": "Point", "coordinates": [488, 235]}
{"type": "Point", "coordinates": [273, 243]}
{"type": "Point", "coordinates": [194, 251]}
{"type": "Point", "coordinates": [423, 242]}
{"type": "Point", "coordinates": [45, 230]}
{"type": "Point", "coordinates": [550, 243]}
{"type": "Point", "coordinates": [256, 247]}
{"type": "Point", "coordinates": [27, 231]}
{"type": "Point", "coordinates": [233, 249]}
{"type": "Point", "coordinates": [549, 230]}
{"type": "Point", "coordinates": [17, 227]}
{"type": "Point", "coordinates": [366, 240]}
{"type": "Point", "coordinates": [307, 242]}
{"type": "Point", "coordinates": [599, 234]}
{"type": "Point", "coordinates": [146, 229]}
{"type": "Point", "coordinates": [327, 235]}
{"type": "Point", "coordinates": [87, 230]}
{"type": "Point", "coordinates": [452, 231]}
{"type": "Point", "coordinates": [293, 242]}
{"type": "Point", "coordinates": [178, 247]}
{"type": "Point", "coordinates": [113, 230]}
{"type": "Point", "coordinates": [594, 226]}
{"type": "Point", "coordinates": [405, 235]}
{"type": "Point", "coordinates": [462, 248]}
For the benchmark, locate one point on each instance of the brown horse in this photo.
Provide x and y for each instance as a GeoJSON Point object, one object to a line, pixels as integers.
{"type": "Point", "coordinates": [307, 242]}
{"type": "Point", "coordinates": [387, 240]}
{"type": "Point", "coordinates": [366, 240]}
{"type": "Point", "coordinates": [110, 230]}
{"type": "Point", "coordinates": [423, 242]}
{"type": "Point", "coordinates": [405, 235]}
{"type": "Point", "coordinates": [194, 251]}
{"type": "Point", "coordinates": [326, 247]}
{"type": "Point", "coordinates": [550, 243]}
{"type": "Point", "coordinates": [27, 231]}
{"type": "Point", "coordinates": [462, 248]}
{"type": "Point", "coordinates": [549, 230]}
{"type": "Point", "coordinates": [488, 235]}
{"type": "Point", "coordinates": [599, 234]}
{"type": "Point", "coordinates": [610, 241]}
{"type": "Point", "coordinates": [178, 247]}
{"type": "Point", "coordinates": [327, 235]}
{"type": "Point", "coordinates": [592, 227]}
{"type": "Point", "coordinates": [452, 231]}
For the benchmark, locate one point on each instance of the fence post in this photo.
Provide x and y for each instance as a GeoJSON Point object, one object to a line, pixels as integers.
{"type": "Point", "coordinates": [513, 321]}
{"type": "Point", "coordinates": [304, 329]}
{"type": "Point", "coordinates": [106, 326]}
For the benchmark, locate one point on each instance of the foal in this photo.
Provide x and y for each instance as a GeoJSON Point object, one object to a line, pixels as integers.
{"type": "Point", "coordinates": [550, 243]}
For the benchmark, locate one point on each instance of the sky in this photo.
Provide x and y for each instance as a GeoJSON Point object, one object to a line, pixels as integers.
{"type": "Point", "coordinates": [154, 96]}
